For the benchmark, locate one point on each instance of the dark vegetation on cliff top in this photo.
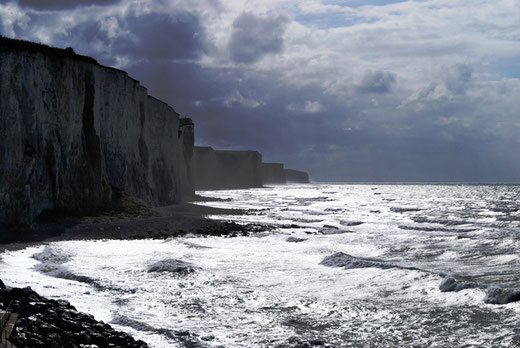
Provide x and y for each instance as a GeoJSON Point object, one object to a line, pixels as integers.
{"type": "Point", "coordinates": [185, 121]}
{"type": "Point", "coordinates": [33, 47]}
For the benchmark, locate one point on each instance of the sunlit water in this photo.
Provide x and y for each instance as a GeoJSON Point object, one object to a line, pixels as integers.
{"type": "Point", "coordinates": [267, 290]}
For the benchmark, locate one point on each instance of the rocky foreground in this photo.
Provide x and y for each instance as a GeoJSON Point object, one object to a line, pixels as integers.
{"type": "Point", "coordinates": [56, 323]}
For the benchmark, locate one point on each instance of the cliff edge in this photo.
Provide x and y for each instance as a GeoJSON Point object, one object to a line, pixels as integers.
{"type": "Point", "coordinates": [74, 132]}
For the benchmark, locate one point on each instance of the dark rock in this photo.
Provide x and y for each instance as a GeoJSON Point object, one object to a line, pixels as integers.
{"type": "Point", "coordinates": [63, 303]}
{"type": "Point", "coordinates": [351, 223]}
{"type": "Point", "coordinates": [26, 292]}
{"type": "Point", "coordinates": [330, 230]}
{"type": "Point", "coordinates": [498, 295]}
{"type": "Point", "coordinates": [404, 209]}
{"type": "Point", "coordinates": [295, 240]}
{"type": "Point", "coordinates": [347, 261]}
{"type": "Point", "coordinates": [53, 324]}
{"type": "Point", "coordinates": [172, 265]}
{"type": "Point", "coordinates": [34, 342]}
{"type": "Point", "coordinates": [331, 227]}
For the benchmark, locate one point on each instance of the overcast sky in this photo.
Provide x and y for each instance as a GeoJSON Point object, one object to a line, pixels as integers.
{"type": "Point", "coordinates": [352, 90]}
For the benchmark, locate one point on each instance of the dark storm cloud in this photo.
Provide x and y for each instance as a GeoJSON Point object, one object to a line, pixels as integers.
{"type": "Point", "coordinates": [375, 129]}
{"type": "Point", "coordinates": [377, 82]}
{"type": "Point", "coordinates": [432, 151]}
{"type": "Point", "coordinates": [254, 37]}
{"type": "Point", "coordinates": [162, 36]}
{"type": "Point", "coordinates": [219, 100]}
{"type": "Point", "coordinates": [63, 4]}
{"type": "Point", "coordinates": [157, 37]}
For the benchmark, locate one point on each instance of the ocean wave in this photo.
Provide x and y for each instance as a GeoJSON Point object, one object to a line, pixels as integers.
{"type": "Point", "coordinates": [57, 270]}
{"type": "Point", "coordinates": [52, 260]}
{"type": "Point", "coordinates": [404, 209]}
{"type": "Point", "coordinates": [436, 229]}
{"type": "Point", "coordinates": [450, 284]}
{"type": "Point", "coordinates": [306, 220]}
{"type": "Point", "coordinates": [504, 209]}
{"type": "Point", "coordinates": [447, 222]}
{"type": "Point", "coordinates": [186, 338]}
{"type": "Point", "coordinates": [333, 209]}
{"type": "Point", "coordinates": [52, 254]}
{"type": "Point", "coordinates": [499, 295]}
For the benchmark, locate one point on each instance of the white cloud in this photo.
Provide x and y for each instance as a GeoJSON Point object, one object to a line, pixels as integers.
{"type": "Point", "coordinates": [313, 107]}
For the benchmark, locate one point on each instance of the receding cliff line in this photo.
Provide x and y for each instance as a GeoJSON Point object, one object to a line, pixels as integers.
{"type": "Point", "coordinates": [74, 132]}
{"type": "Point", "coordinates": [296, 176]}
{"type": "Point", "coordinates": [273, 173]}
{"type": "Point", "coordinates": [213, 170]}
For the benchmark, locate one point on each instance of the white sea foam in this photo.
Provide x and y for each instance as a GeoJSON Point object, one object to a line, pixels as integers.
{"type": "Point", "coordinates": [269, 290]}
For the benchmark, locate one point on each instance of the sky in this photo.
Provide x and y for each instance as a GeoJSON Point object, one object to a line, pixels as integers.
{"type": "Point", "coordinates": [347, 90]}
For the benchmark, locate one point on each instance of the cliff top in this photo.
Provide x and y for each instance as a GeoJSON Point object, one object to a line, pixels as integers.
{"type": "Point", "coordinates": [60, 53]}
{"type": "Point", "coordinates": [33, 47]}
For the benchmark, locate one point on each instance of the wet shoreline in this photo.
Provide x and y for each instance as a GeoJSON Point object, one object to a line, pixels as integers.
{"type": "Point", "coordinates": [56, 323]}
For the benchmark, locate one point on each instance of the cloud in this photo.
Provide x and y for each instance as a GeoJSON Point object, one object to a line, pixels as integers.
{"type": "Point", "coordinates": [378, 82]}
{"type": "Point", "coordinates": [254, 37]}
{"type": "Point", "coordinates": [313, 107]}
{"type": "Point", "coordinates": [387, 102]}
{"type": "Point", "coordinates": [161, 36]}
{"type": "Point", "coordinates": [63, 4]}
{"type": "Point", "coordinates": [459, 78]}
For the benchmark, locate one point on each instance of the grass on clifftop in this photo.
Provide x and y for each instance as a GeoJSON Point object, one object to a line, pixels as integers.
{"type": "Point", "coordinates": [33, 47]}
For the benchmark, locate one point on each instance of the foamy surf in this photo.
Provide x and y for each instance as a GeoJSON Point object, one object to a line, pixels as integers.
{"type": "Point", "coordinates": [443, 281]}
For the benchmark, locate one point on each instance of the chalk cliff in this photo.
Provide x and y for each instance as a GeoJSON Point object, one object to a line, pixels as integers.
{"type": "Point", "coordinates": [273, 173]}
{"type": "Point", "coordinates": [226, 169]}
{"type": "Point", "coordinates": [74, 131]}
{"type": "Point", "coordinates": [296, 176]}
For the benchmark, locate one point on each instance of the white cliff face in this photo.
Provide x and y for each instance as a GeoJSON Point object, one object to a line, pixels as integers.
{"type": "Point", "coordinates": [187, 142]}
{"type": "Point", "coordinates": [214, 170]}
{"type": "Point", "coordinates": [73, 131]}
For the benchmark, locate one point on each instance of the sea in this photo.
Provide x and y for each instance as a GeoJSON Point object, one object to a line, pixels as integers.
{"type": "Point", "coordinates": [344, 265]}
